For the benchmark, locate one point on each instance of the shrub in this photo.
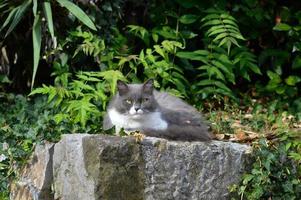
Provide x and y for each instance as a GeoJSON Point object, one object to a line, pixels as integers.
{"type": "Point", "coordinates": [276, 172]}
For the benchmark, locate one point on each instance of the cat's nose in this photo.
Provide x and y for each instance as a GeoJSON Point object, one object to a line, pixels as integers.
{"type": "Point", "coordinates": [136, 108]}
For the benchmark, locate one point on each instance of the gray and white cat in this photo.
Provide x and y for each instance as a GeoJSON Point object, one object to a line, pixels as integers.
{"type": "Point", "coordinates": [138, 107]}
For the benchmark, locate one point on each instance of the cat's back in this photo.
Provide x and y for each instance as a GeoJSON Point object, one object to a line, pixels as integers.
{"type": "Point", "coordinates": [171, 102]}
{"type": "Point", "coordinates": [176, 111]}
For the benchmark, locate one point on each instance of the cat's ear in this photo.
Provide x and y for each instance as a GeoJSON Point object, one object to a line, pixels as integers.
{"type": "Point", "coordinates": [148, 86]}
{"type": "Point", "coordinates": [122, 87]}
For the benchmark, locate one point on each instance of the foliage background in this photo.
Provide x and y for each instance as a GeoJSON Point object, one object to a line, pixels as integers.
{"type": "Point", "coordinates": [239, 62]}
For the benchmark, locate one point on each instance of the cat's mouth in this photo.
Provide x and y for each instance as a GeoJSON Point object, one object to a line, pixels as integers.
{"type": "Point", "coordinates": [137, 115]}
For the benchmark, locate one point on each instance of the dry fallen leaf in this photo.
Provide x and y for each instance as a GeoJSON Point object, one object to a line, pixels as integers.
{"type": "Point", "coordinates": [244, 136]}
{"type": "Point", "coordinates": [248, 116]}
{"type": "Point", "coordinates": [239, 135]}
{"type": "Point", "coordinates": [252, 135]}
{"type": "Point", "coordinates": [236, 124]}
{"type": "Point", "coordinates": [220, 136]}
{"type": "Point", "coordinates": [274, 126]}
{"type": "Point", "coordinates": [138, 136]}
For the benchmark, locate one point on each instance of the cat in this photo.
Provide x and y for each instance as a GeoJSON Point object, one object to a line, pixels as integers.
{"type": "Point", "coordinates": [139, 107]}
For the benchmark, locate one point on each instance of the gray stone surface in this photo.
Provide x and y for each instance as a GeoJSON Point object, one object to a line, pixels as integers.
{"type": "Point", "coordinates": [191, 170]}
{"type": "Point", "coordinates": [36, 177]}
{"type": "Point", "coordinates": [88, 167]}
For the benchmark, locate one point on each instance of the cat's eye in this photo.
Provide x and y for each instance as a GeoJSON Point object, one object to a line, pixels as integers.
{"type": "Point", "coordinates": [145, 99]}
{"type": "Point", "coordinates": [128, 101]}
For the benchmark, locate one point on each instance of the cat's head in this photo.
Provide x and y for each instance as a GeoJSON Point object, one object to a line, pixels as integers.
{"type": "Point", "coordinates": [135, 99]}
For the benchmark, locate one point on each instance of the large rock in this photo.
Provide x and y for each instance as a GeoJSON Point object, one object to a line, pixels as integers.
{"type": "Point", "coordinates": [88, 167]}
{"type": "Point", "coordinates": [36, 177]}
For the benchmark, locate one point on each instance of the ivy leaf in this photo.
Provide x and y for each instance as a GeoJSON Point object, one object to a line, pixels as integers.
{"type": "Point", "coordinates": [292, 80]}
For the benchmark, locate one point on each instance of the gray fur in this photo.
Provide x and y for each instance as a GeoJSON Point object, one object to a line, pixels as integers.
{"type": "Point", "coordinates": [184, 121]}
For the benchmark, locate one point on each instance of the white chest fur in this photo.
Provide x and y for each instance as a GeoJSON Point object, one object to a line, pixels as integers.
{"type": "Point", "coordinates": [146, 121]}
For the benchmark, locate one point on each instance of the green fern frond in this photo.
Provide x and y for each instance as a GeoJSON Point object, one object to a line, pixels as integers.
{"type": "Point", "coordinates": [222, 28]}
{"type": "Point", "coordinates": [140, 32]}
{"type": "Point", "coordinates": [245, 62]}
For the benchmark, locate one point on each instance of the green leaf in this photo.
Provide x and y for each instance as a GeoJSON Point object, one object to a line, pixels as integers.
{"type": "Point", "coordinates": [219, 84]}
{"type": "Point", "coordinates": [112, 76]}
{"type": "Point", "coordinates": [78, 13]}
{"type": "Point", "coordinates": [48, 14]}
{"type": "Point", "coordinates": [166, 32]}
{"type": "Point", "coordinates": [159, 50]}
{"type": "Point", "coordinates": [280, 90]}
{"type": "Point", "coordinates": [36, 40]}
{"type": "Point", "coordinates": [254, 68]}
{"type": "Point", "coordinates": [2, 5]}
{"type": "Point", "coordinates": [171, 45]}
{"type": "Point", "coordinates": [233, 41]}
{"type": "Point", "coordinates": [193, 55]}
{"type": "Point", "coordinates": [247, 178]}
{"type": "Point", "coordinates": [223, 27]}
{"type": "Point", "coordinates": [237, 36]}
{"type": "Point", "coordinates": [215, 91]}
{"type": "Point", "coordinates": [282, 27]}
{"type": "Point", "coordinates": [214, 31]}
{"type": "Point", "coordinates": [87, 78]}
{"type": "Point", "coordinates": [141, 32]}
{"type": "Point", "coordinates": [188, 19]}
{"type": "Point", "coordinates": [221, 66]}
{"type": "Point", "coordinates": [40, 90]}
{"type": "Point", "coordinates": [227, 41]}
{"type": "Point", "coordinates": [58, 118]}
{"type": "Point", "coordinates": [227, 21]}
{"type": "Point", "coordinates": [220, 36]}
{"type": "Point", "coordinates": [274, 76]}
{"type": "Point", "coordinates": [35, 7]}
{"type": "Point", "coordinates": [4, 79]}
{"type": "Point", "coordinates": [82, 109]}
{"type": "Point", "coordinates": [202, 52]}
{"type": "Point", "coordinates": [292, 80]}
{"type": "Point", "coordinates": [17, 16]}
{"type": "Point", "coordinates": [210, 17]}
{"type": "Point", "coordinates": [297, 62]}
{"type": "Point", "coordinates": [188, 34]}
{"type": "Point", "coordinates": [81, 85]}
{"type": "Point", "coordinates": [155, 37]}
{"type": "Point", "coordinates": [212, 71]}
{"type": "Point", "coordinates": [213, 23]}
{"type": "Point", "coordinates": [227, 16]}
{"type": "Point", "coordinates": [295, 156]}
{"type": "Point", "coordinates": [11, 15]}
